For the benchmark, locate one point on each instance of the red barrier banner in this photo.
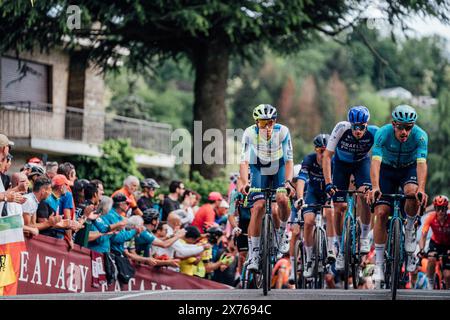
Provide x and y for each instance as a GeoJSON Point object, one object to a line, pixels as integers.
{"type": "Point", "coordinates": [48, 267]}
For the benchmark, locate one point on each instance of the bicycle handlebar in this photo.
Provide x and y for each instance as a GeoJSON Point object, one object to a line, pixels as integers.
{"type": "Point", "coordinates": [396, 196]}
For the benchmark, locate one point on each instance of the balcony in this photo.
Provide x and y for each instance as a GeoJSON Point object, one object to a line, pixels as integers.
{"type": "Point", "coordinates": [67, 130]}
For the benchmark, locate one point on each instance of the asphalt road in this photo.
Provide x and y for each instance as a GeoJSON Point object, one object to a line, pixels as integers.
{"type": "Point", "coordinates": [246, 295]}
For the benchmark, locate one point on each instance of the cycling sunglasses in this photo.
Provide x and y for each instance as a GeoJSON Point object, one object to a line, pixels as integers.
{"type": "Point", "coordinates": [265, 123]}
{"type": "Point", "coordinates": [441, 208]}
{"type": "Point", "coordinates": [359, 126]}
{"type": "Point", "coordinates": [401, 126]}
{"type": "Point", "coordinates": [319, 149]}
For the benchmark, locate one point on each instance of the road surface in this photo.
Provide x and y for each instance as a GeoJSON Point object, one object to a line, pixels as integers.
{"type": "Point", "coordinates": [337, 294]}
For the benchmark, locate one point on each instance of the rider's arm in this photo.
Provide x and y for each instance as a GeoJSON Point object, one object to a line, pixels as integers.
{"type": "Point", "coordinates": [243, 170]}
{"type": "Point", "coordinates": [335, 136]}
{"type": "Point", "coordinates": [288, 154]}
{"type": "Point", "coordinates": [375, 173]}
{"type": "Point", "coordinates": [425, 229]}
{"type": "Point", "coordinates": [300, 188]}
{"type": "Point", "coordinates": [421, 156]}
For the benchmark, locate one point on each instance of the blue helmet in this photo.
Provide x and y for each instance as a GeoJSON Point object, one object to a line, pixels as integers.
{"type": "Point", "coordinates": [358, 114]}
{"type": "Point", "coordinates": [404, 113]}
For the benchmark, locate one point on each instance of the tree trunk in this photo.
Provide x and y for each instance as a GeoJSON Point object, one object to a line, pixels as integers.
{"type": "Point", "coordinates": [211, 67]}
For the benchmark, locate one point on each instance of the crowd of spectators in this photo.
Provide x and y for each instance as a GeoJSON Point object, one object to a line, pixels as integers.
{"type": "Point", "coordinates": [136, 224]}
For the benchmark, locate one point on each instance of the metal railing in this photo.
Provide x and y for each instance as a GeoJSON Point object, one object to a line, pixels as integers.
{"type": "Point", "coordinates": [25, 119]}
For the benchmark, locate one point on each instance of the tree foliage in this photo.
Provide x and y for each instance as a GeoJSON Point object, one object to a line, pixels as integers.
{"type": "Point", "coordinates": [116, 163]}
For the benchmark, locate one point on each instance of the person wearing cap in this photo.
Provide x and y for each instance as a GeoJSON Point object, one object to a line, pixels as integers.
{"type": "Point", "coordinates": [147, 200]}
{"type": "Point", "coordinates": [206, 215]}
{"type": "Point", "coordinates": [120, 206]}
{"type": "Point", "coordinates": [5, 146]}
{"type": "Point", "coordinates": [35, 172]}
{"type": "Point", "coordinates": [130, 186]}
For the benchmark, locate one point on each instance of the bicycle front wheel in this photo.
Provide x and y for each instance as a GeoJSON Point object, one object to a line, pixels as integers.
{"type": "Point", "coordinates": [347, 252]}
{"type": "Point", "coordinates": [266, 270]}
{"type": "Point", "coordinates": [395, 267]}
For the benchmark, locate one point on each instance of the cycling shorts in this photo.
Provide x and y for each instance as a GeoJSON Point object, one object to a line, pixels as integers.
{"type": "Point", "coordinates": [342, 172]}
{"type": "Point", "coordinates": [314, 197]}
{"type": "Point", "coordinates": [438, 249]}
{"type": "Point", "coordinates": [391, 179]}
{"type": "Point", "coordinates": [259, 180]}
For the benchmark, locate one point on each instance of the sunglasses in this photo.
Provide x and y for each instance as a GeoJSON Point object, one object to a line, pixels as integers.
{"type": "Point", "coordinates": [406, 127]}
{"type": "Point", "coordinates": [441, 208]}
{"type": "Point", "coordinates": [265, 123]}
{"type": "Point", "coordinates": [359, 126]}
{"type": "Point", "coordinates": [320, 150]}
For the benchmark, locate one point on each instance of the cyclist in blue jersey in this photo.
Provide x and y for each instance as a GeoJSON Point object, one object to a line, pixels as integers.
{"type": "Point", "coordinates": [311, 173]}
{"type": "Point", "coordinates": [398, 161]}
{"type": "Point", "coordinates": [267, 152]}
{"type": "Point", "coordinates": [350, 143]}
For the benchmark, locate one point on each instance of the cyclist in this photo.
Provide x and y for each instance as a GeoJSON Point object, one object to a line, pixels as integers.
{"type": "Point", "coordinates": [351, 141]}
{"type": "Point", "coordinates": [311, 173]}
{"type": "Point", "coordinates": [239, 218]}
{"type": "Point", "coordinates": [267, 149]}
{"type": "Point", "coordinates": [398, 161]}
{"type": "Point", "coordinates": [439, 222]}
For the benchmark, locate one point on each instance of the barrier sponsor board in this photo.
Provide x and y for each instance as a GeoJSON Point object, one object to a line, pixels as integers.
{"type": "Point", "coordinates": [48, 267]}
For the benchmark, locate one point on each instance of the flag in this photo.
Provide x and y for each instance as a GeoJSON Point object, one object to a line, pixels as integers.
{"type": "Point", "coordinates": [12, 243]}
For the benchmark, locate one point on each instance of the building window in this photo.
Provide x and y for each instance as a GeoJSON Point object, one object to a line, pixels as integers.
{"type": "Point", "coordinates": [33, 86]}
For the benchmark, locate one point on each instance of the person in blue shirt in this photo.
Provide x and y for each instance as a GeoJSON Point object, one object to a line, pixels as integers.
{"type": "Point", "coordinates": [311, 173]}
{"type": "Point", "coordinates": [398, 161]}
{"type": "Point", "coordinates": [119, 208]}
{"type": "Point", "coordinates": [350, 143]}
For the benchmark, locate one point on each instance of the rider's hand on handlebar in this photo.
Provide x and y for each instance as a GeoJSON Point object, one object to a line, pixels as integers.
{"type": "Point", "coordinates": [236, 231]}
{"type": "Point", "coordinates": [244, 189]}
{"type": "Point", "coordinates": [421, 254]}
{"type": "Point", "coordinates": [375, 195]}
{"type": "Point", "coordinates": [289, 188]}
{"type": "Point", "coordinates": [422, 197]}
{"type": "Point", "coordinates": [299, 203]}
{"type": "Point", "coordinates": [330, 189]}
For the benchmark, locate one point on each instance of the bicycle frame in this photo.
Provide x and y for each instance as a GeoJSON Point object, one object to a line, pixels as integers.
{"type": "Point", "coordinates": [350, 213]}
{"type": "Point", "coordinates": [396, 216]}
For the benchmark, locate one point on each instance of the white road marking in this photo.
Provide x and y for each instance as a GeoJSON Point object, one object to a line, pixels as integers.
{"type": "Point", "coordinates": [134, 295]}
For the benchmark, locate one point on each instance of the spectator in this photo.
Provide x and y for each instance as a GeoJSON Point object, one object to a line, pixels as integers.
{"type": "Point", "coordinates": [67, 169]}
{"type": "Point", "coordinates": [26, 169]}
{"type": "Point", "coordinates": [91, 199]}
{"type": "Point", "coordinates": [41, 190]}
{"type": "Point", "coordinates": [196, 201]}
{"type": "Point", "coordinates": [19, 182]}
{"type": "Point", "coordinates": [176, 189]}
{"type": "Point", "coordinates": [49, 208]}
{"type": "Point", "coordinates": [101, 232]}
{"type": "Point", "coordinates": [35, 172]}
{"type": "Point", "coordinates": [35, 161]}
{"type": "Point", "coordinates": [188, 265]}
{"type": "Point", "coordinates": [5, 146]}
{"type": "Point", "coordinates": [51, 169]}
{"type": "Point", "coordinates": [206, 215]}
{"type": "Point", "coordinates": [186, 212]}
{"type": "Point", "coordinates": [5, 178]}
{"type": "Point", "coordinates": [147, 201]}
{"type": "Point", "coordinates": [221, 213]}
{"type": "Point", "coordinates": [130, 185]}
{"type": "Point", "coordinates": [146, 239]}
{"type": "Point", "coordinates": [100, 188]}
{"type": "Point", "coordinates": [116, 215]}
{"type": "Point", "coordinates": [67, 203]}
{"type": "Point", "coordinates": [78, 196]}
{"type": "Point", "coordinates": [173, 223]}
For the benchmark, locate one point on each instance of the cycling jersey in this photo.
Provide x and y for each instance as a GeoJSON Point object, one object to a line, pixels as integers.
{"type": "Point", "coordinates": [256, 150]}
{"type": "Point", "coordinates": [312, 173]}
{"type": "Point", "coordinates": [346, 147]}
{"type": "Point", "coordinates": [396, 154]}
{"type": "Point", "coordinates": [441, 233]}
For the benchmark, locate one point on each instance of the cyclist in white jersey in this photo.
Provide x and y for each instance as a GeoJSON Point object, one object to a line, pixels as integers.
{"type": "Point", "coordinates": [267, 152]}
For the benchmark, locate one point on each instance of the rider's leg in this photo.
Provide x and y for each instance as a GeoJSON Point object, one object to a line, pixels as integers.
{"type": "Point", "coordinates": [411, 208]}
{"type": "Point", "coordinates": [276, 216]}
{"type": "Point", "coordinates": [431, 269]}
{"type": "Point", "coordinates": [284, 213]}
{"type": "Point", "coordinates": [339, 213]}
{"type": "Point", "coordinates": [364, 213]}
{"type": "Point", "coordinates": [447, 279]}
{"type": "Point", "coordinates": [295, 228]}
{"type": "Point", "coordinates": [331, 233]}
{"type": "Point", "coordinates": [254, 227]}
{"type": "Point", "coordinates": [309, 233]}
{"type": "Point", "coordinates": [379, 238]}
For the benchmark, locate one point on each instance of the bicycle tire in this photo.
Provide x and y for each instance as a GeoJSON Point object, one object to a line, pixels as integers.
{"type": "Point", "coordinates": [297, 256]}
{"type": "Point", "coordinates": [347, 252]}
{"type": "Point", "coordinates": [356, 257]}
{"type": "Point", "coordinates": [316, 255]}
{"type": "Point", "coordinates": [303, 280]}
{"type": "Point", "coordinates": [266, 255]}
{"type": "Point", "coordinates": [323, 257]}
{"type": "Point", "coordinates": [395, 275]}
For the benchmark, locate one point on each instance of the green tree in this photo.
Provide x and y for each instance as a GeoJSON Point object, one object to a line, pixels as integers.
{"type": "Point", "coordinates": [208, 33]}
{"type": "Point", "coordinates": [116, 163]}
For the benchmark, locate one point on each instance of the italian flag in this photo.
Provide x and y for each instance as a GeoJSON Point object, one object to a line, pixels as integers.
{"type": "Point", "coordinates": [12, 243]}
